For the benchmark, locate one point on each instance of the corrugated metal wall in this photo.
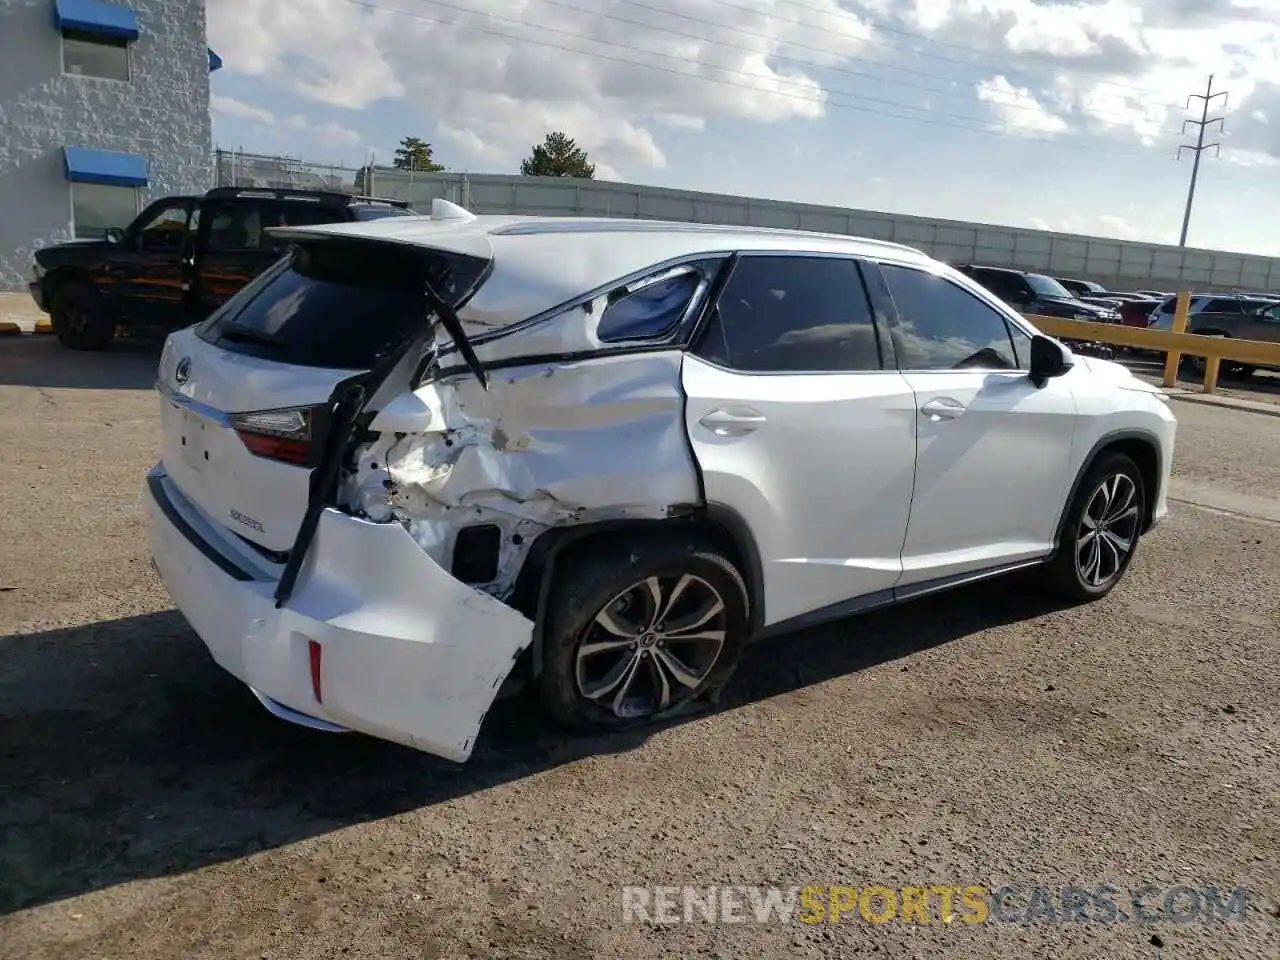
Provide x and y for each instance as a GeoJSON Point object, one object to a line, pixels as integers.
{"type": "Point", "coordinates": [1117, 264]}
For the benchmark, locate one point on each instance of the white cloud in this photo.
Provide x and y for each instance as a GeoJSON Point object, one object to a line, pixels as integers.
{"type": "Point", "coordinates": [1117, 226]}
{"type": "Point", "coordinates": [325, 134]}
{"type": "Point", "coordinates": [1018, 108]}
{"type": "Point", "coordinates": [680, 121]}
{"type": "Point", "coordinates": [230, 107]}
{"type": "Point", "coordinates": [497, 75]}
{"type": "Point", "coordinates": [328, 133]}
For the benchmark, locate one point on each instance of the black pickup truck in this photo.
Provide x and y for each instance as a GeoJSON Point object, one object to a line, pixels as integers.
{"type": "Point", "coordinates": [179, 260]}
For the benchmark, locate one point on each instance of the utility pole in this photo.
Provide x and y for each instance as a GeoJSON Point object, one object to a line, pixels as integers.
{"type": "Point", "coordinates": [1203, 123]}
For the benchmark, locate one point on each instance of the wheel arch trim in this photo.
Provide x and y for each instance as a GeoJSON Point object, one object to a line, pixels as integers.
{"type": "Point", "coordinates": [534, 583]}
{"type": "Point", "coordinates": [1100, 446]}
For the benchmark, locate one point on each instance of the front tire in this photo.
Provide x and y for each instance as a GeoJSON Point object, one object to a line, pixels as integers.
{"type": "Point", "coordinates": [1101, 530]}
{"type": "Point", "coordinates": [78, 318]}
{"type": "Point", "coordinates": [639, 632]}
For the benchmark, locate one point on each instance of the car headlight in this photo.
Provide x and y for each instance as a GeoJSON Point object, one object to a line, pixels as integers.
{"type": "Point", "coordinates": [37, 271]}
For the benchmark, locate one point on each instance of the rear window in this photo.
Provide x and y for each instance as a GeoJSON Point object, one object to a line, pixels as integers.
{"type": "Point", "coordinates": [338, 303]}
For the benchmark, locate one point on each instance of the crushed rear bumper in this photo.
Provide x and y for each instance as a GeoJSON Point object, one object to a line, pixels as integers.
{"type": "Point", "coordinates": [407, 652]}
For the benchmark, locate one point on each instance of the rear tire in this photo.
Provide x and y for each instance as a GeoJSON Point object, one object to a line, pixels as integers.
{"type": "Point", "coordinates": [1100, 531]}
{"type": "Point", "coordinates": [78, 318]}
{"type": "Point", "coordinates": [640, 631]}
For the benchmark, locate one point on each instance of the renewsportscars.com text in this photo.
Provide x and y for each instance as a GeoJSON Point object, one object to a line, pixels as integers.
{"type": "Point", "coordinates": [970, 904]}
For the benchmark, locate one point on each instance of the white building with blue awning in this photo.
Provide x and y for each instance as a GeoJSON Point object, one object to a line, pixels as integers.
{"type": "Point", "coordinates": [104, 106]}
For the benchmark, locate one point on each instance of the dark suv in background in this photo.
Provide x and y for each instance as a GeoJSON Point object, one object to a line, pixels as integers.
{"type": "Point", "coordinates": [179, 260]}
{"type": "Point", "coordinates": [1082, 288]}
{"type": "Point", "coordinates": [1035, 293]}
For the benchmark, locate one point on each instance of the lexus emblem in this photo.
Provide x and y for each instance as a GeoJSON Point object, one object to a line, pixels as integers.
{"type": "Point", "coordinates": [183, 373]}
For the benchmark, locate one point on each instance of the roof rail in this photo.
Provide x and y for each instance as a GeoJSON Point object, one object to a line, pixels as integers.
{"type": "Point", "coordinates": [335, 198]}
{"type": "Point", "coordinates": [389, 201]}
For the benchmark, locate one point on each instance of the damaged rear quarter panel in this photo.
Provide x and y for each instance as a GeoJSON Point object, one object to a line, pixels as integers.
{"type": "Point", "coordinates": [548, 445]}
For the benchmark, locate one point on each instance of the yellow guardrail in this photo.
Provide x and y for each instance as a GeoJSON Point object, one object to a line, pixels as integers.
{"type": "Point", "coordinates": [1173, 344]}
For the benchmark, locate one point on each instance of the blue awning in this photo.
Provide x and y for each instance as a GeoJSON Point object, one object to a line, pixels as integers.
{"type": "Point", "coordinates": [105, 167]}
{"type": "Point", "coordinates": [215, 61]}
{"type": "Point", "coordinates": [96, 16]}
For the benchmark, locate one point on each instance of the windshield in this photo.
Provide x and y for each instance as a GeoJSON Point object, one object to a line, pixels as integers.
{"type": "Point", "coordinates": [340, 304]}
{"type": "Point", "coordinates": [1048, 287]}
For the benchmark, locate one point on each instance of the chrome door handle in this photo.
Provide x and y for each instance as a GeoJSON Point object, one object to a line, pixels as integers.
{"type": "Point", "coordinates": [732, 422]}
{"type": "Point", "coordinates": [942, 408]}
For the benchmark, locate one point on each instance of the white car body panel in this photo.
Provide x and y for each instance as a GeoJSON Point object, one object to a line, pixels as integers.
{"type": "Point", "coordinates": [986, 466]}
{"type": "Point", "coordinates": [1144, 412]}
{"type": "Point", "coordinates": [546, 445]}
{"type": "Point", "coordinates": [823, 480]}
{"type": "Point", "coordinates": [409, 653]}
{"type": "Point", "coordinates": [260, 499]}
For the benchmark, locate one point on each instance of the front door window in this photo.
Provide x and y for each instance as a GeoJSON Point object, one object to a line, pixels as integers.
{"type": "Point", "coordinates": [165, 231]}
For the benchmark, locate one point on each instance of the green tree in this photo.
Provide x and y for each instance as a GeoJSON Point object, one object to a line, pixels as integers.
{"type": "Point", "coordinates": [415, 154]}
{"type": "Point", "coordinates": [558, 156]}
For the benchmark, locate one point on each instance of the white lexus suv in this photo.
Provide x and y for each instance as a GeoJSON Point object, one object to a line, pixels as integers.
{"type": "Point", "coordinates": [424, 460]}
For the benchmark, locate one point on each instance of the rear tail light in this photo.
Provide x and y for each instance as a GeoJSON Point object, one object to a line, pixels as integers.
{"type": "Point", "coordinates": [285, 435]}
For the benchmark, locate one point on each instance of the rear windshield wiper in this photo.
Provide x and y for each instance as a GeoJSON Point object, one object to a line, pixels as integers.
{"type": "Point", "coordinates": [242, 334]}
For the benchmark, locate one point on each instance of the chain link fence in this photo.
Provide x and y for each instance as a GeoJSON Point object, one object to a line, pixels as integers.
{"type": "Point", "coordinates": [235, 168]}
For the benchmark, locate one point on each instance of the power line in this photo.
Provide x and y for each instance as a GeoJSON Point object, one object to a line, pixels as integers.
{"type": "Point", "coordinates": [931, 119]}
{"type": "Point", "coordinates": [1202, 124]}
{"type": "Point", "coordinates": [1017, 61]}
{"type": "Point", "coordinates": [1011, 104]}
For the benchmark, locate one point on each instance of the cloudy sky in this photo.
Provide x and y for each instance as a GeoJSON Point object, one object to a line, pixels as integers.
{"type": "Point", "coordinates": [1059, 114]}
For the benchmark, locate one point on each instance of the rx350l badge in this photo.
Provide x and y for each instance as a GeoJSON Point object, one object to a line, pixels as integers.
{"type": "Point", "coordinates": [248, 521]}
{"type": "Point", "coordinates": [183, 371]}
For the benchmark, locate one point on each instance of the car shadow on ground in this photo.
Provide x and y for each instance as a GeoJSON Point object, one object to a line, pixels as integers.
{"type": "Point", "coordinates": [126, 754]}
{"type": "Point", "coordinates": [38, 360]}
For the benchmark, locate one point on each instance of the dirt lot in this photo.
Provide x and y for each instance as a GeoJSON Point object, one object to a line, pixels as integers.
{"type": "Point", "coordinates": [149, 808]}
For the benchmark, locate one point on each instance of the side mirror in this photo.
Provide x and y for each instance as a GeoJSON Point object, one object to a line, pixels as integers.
{"type": "Point", "coordinates": [1049, 359]}
{"type": "Point", "coordinates": [115, 235]}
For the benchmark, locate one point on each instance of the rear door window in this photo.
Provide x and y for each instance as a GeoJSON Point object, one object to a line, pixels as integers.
{"type": "Point", "coordinates": [1223, 305]}
{"type": "Point", "coordinates": [340, 303]}
{"type": "Point", "coordinates": [793, 314]}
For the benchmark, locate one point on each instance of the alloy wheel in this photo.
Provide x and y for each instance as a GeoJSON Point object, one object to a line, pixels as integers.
{"type": "Point", "coordinates": [652, 645]}
{"type": "Point", "coordinates": [1108, 530]}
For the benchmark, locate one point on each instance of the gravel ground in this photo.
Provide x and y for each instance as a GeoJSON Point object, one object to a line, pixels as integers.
{"type": "Point", "coordinates": [150, 809]}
